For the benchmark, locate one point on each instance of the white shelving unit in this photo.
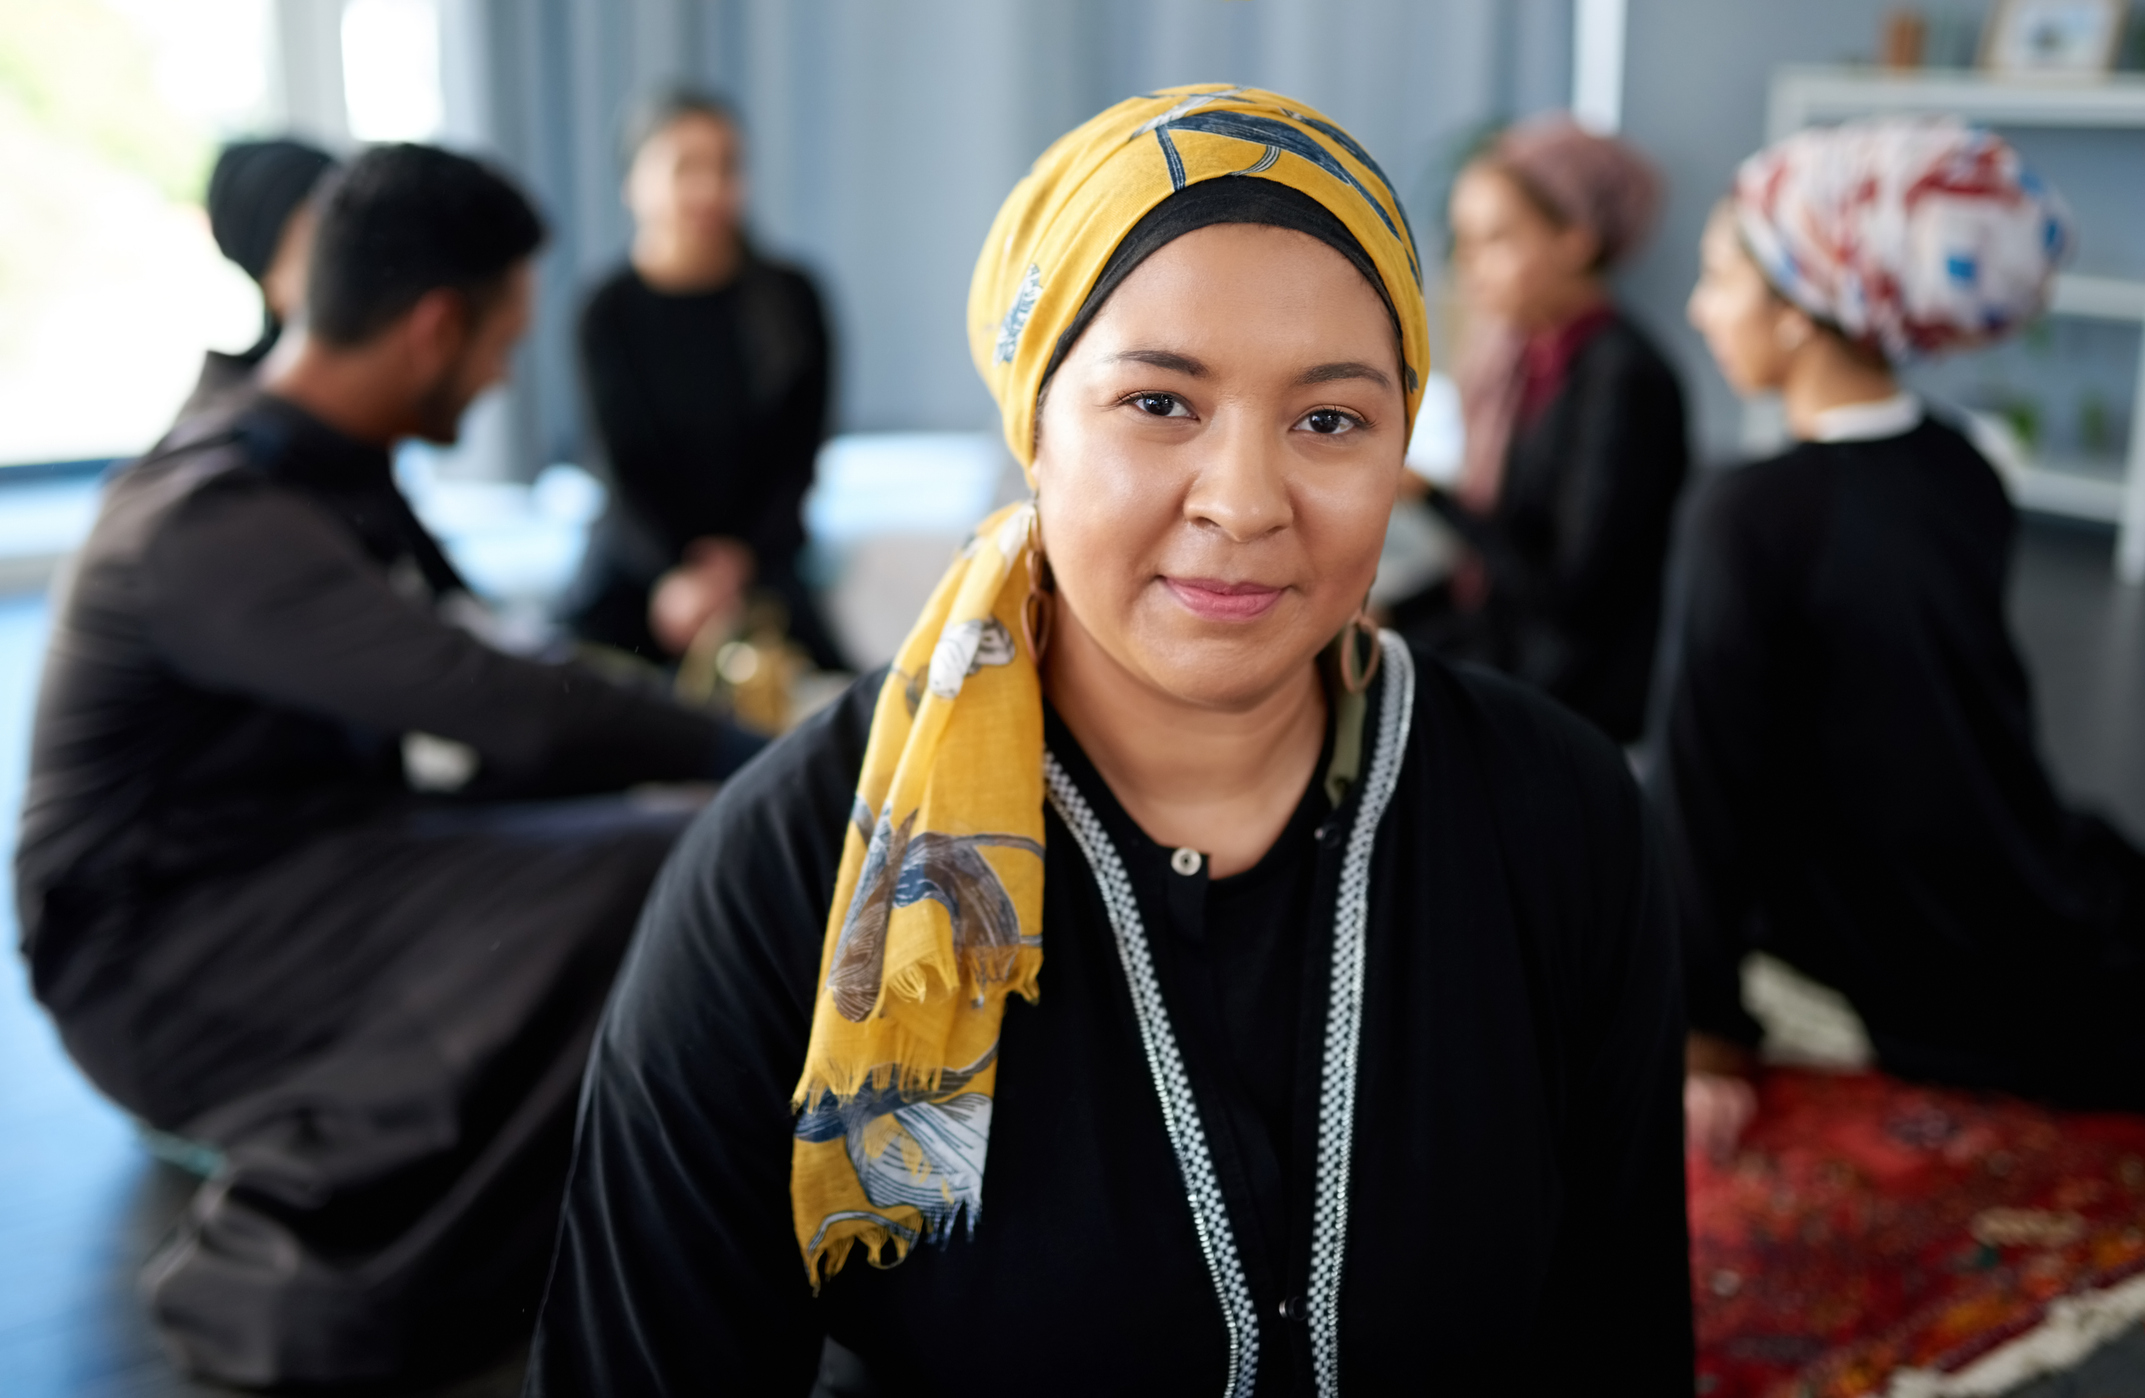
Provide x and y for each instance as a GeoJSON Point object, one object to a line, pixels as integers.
{"type": "Point", "coordinates": [1803, 96]}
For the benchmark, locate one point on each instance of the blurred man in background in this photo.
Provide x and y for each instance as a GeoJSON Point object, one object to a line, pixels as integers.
{"type": "Point", "coordinates": [368, 1005]}
{"type": "Point", "coordinates": [262, 214]}
{"type": "Point", "coordinates": [706, 367]}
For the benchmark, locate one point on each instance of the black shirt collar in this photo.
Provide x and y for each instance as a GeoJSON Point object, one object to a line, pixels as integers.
{"type": "Point", "coordinates": [293, 445]}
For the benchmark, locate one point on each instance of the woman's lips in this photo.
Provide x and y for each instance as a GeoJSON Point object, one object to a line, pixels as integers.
{"type": "Point", "coordinates": [1216, 600]}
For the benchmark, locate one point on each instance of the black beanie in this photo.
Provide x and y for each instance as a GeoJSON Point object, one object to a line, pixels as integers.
{"type": "Point", "coordinates": [256, 187]}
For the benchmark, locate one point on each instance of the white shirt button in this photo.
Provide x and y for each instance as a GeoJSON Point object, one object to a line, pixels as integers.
{"type": "Point", "coordinates": [1185, 862]}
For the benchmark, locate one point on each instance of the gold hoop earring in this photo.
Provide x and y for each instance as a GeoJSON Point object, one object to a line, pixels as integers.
{"type": "Point", "coordinates": [1035, 607]}
{"type": "Point", "coordinates": [1355, 674]}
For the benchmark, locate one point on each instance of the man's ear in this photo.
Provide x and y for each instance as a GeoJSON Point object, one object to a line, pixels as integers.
{"type": "Point", "coordinates": [435, 328]}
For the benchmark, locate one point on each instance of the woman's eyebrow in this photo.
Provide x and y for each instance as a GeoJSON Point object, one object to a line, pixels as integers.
{"type": "Point", "coordinates": [1165, 359]}
{"type": "Point", "coordinates": [1345, 369]}
{"type": "Point", "coordinates": [1322, 373]}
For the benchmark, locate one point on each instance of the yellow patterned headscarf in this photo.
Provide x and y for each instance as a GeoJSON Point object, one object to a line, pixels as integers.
{"type": "Point", "coordinates": [937, 912]}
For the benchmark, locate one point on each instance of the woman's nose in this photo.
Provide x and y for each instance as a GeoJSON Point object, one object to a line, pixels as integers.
{"type": "Point", "coordinates": [1242, 485]}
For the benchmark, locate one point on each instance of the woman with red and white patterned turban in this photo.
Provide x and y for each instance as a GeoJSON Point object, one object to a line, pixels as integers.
{"type": "Point", "coordinates": [1910, 237]}
{"type": "Point", "coordinates": [1848, 771]}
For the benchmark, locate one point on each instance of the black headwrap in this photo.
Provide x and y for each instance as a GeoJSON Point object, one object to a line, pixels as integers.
{"type": "Point", "coordinates": [256, 187]}
{"type": "Point", "coordinates": [1224, 200]}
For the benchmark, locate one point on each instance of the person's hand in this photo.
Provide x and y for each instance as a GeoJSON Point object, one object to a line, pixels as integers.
{"type": "Point", "coordinates": [707, 586]}
{"type": "Point", "coordinates": [1718, 1098]}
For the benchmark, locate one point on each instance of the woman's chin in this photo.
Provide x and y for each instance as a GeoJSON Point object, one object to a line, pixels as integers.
{"type": "Point", "coordinates": [1226, 665]}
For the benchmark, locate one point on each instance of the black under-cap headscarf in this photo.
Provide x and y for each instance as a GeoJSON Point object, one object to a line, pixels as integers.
{"type": "Point", "coordinates": [256, 187]}
{"type": "Point", "coordinates": [1230, 199]}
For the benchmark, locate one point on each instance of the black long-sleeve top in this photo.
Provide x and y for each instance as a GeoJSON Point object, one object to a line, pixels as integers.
{"type": "Point", "coordinates": [710, 407]}
{"type": "Point", "coordinates": [1514, 1207]}
{"type": "Point", "coordinates": [1850, 780]}
{"type": "Point", "coordinates": [249, 631]}
{"type": "Point", "coordinates": [1576, 546]}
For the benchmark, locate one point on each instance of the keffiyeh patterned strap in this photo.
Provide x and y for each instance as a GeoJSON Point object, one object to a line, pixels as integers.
{"type": "Point", "coordinates": [937, 913]}
{"type": "Point", "coordinates": [1914, 235]}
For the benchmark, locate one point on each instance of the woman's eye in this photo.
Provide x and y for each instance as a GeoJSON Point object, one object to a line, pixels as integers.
{"type": "Point", "coordinates": [1328, 422]}
{"type": "Point", "coordinates": [1160, 405]}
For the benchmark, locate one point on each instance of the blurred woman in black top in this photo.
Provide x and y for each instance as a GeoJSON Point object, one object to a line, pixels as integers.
{"type": "Point", "coordinates": [706, 369]}
{"type": "Point", "coordinates": [1575, 429]}
{"type": "Point", "coordinates": [1849, 776]}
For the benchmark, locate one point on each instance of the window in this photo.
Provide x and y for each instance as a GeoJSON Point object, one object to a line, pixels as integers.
{"type": "Point", "coordinates": [391, 82]}
{"type": "Point", "coordinates": [110, 285]}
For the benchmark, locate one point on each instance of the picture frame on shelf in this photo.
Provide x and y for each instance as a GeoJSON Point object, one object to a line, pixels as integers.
{"type": "Point", "coordinates": [2053, 38]}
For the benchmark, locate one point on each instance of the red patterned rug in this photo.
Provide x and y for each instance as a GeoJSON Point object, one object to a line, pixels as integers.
{"type": "Point", "coordinates": [1873, 1237]}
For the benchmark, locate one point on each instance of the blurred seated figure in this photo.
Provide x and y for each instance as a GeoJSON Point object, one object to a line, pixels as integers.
{"type": "Point", "coordinates": [1849, 777]}
{"type": "Point", "coordinates": [1576, 443]}
{"type": "Point", "coordinates": [706, 369]}
{"type": "Point", "coordinates": [261, 213]}
{"type": "Point", "coordinates": [372, 1003]}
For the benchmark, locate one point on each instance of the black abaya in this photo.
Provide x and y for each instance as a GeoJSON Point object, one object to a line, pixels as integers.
{"type": "Point", "coordinates": [1515, 1218]}
{"type": "Point", "coordinates": [1850, 780]}
{"type": "Point", "coordinates": [253, 934]}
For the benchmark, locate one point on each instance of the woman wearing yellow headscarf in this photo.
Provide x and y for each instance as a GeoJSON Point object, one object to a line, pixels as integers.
{"type": "Point", "coordinates": [1163, 981]}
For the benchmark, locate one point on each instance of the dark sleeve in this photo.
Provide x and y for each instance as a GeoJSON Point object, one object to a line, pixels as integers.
{"type": "Point", "coordinates": [678, 1271]}
{"type": "Point", "coordinates": [606, 382]}
{"type": "Point", "coordinates": [255, 590]}
{"type": "Point", "coordinates": [790, 434]}
{"type": "Point", "coordinates": [633, 452]}
{"type": "Point", "coordinates": [1628, 455]}
{"type": "Point", "coordinates": [1725, 718]}
{"type": "Point", "coordinates": [1618, 1297]}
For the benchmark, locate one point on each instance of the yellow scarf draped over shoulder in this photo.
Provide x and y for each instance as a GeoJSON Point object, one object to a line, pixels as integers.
{"type": "Point", "coordinates": [937, 911]}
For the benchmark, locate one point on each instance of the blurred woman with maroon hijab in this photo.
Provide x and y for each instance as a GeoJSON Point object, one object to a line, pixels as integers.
{"type": "Point", "coordinates": [1576, 443]}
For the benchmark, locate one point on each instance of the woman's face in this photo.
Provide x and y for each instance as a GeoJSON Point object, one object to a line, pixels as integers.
{"type": "Point", "coordinates": [1751, 331]}
{"type": "Point", "coordinates": [1217, 459]}
{"type": "Point", "coordinates": [688, 179]}
{"type": "Point", "coordinates": [1512, 262]}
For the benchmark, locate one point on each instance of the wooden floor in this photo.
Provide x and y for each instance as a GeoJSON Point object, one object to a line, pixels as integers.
{"type": "Point", "coordinates": [81, 1203]}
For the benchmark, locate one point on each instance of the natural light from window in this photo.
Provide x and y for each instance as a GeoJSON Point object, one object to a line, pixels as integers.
{"type": "Point", "coordinates": [110, 285]}
{"type": "Point", "coordinates": [391, 80]}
